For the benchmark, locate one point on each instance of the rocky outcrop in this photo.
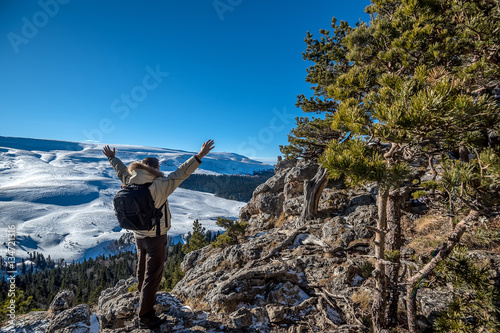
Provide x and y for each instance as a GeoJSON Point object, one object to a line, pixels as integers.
{"type": "Point", "coordinates": [256, 287]}
{"type": "Point", "coordinates": [74, 320]}
{"type": "Point", "coordinates": [65, 299]}
{"type": "Point", "coordinates": [116, 313]}
{"type": "Point", "coordinates": [282, 193]}
{"type": "Point", "coordinates": [284, 276]}
{"type": "Point", "coordinates": [61, 317]}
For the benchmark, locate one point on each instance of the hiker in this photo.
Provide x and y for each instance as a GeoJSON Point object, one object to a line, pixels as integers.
{"type": "Point", "coordinates": [151, 246]}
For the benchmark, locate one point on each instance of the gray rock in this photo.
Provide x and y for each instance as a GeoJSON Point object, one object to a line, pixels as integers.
{"type": "Point", "coordinates": [492, 260]}
{"type": "Point", "coordinates": [118, 311]}
{"type": "Point", "coordinates": [275, 312]}
{"type": "Point", "coordinates": [189, 259]}
{"type": "Point", "coordinates": [33, 322]}
{"type": "Point", "coordinates": [347, 236]}
{"type": "Point", "coordinates": [346, 276]}
{"type": "Point", "coordinates": [364, 199]}
{"type": "Point", "coordinates": [433, 301]}
{"type": "Point", "coordinates": [293, 189]}
{"type": "Point", "coordinates": [362, 215]}
{"type": "Point", "coordinates": [271, 203]}
{"type": "Point", "coordinates": [165, 303]}
{"type": "Point", "coordinates": [293, 206]}
{"type": "Point", "coordinates": [284, 165]}
{"type": "Point", "coordinates": [74, 320]}
{"type": "Point", "coordinates": [241, 318]}
{"type": "Point", "coordinates": [120, 288]}
{"type": "Point", "coordinates": [308, 239]}
{"type": "Point", "coordinates": [276, 183]}
{"type": "Point", "coordinates": [362, 202]}
{"type": "Point", "coordinates": [286, 293]}
{"type": "Point", "coordinates": [332, 227]}
{"type": "Point", "coordinates": [260, 319]}
{"type": "Point", "coordinates": [262, 188]}
{"type": "Point", "coordinates": [334, 201]}
{"type": "Point", "coordinates": [303, 170]}
{"type": "Point", "coordinates": [407, 253]}
{"type": "Point", "coordinates": [64, 300]}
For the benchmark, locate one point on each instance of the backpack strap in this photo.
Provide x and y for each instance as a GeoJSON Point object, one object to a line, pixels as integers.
{"type": "Point", "coordinates": [158, 226]}
{"type": "Point", "coordinates": [158, 218]}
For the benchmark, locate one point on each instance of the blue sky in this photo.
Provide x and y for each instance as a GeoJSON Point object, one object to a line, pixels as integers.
{"type": "Point", "coordinates": [160, 73]}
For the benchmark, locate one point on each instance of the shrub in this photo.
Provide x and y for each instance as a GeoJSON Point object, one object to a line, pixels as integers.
{"type": "Point", "coordinates": [234, 232]}
{"type": "Point", "coordinates": [473, 306]}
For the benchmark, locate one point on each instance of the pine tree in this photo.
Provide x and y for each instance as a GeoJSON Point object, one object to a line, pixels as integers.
{"type": "Point", "coordinates": [197, 240]}
{"type": "Point", "coordinates": [417, 81]}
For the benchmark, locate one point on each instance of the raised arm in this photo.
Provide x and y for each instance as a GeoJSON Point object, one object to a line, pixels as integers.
{"type": "Point", "coordinates": [167, 185]}
{"type": "Point", "coordinates": [206, 148]}
{"type": "Point", "coordinates": [120, 168]}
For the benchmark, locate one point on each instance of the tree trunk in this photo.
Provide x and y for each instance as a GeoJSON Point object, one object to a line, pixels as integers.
{"type": "Point", "coordinates": [443, 253]}
{"type": "Point", "coordinates": [312, 193]}
{"type": "Point", "coordinates": [380, 299]}
{"type": "Point", "coordinates": [393, 243]}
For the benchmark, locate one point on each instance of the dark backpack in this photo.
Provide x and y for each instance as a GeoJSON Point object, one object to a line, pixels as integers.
{"type": "Point", "coordinates": [135, 208]}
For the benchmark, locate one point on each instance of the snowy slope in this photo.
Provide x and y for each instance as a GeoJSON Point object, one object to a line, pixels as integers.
{"type": "Point", "coordinates": [59, 194]}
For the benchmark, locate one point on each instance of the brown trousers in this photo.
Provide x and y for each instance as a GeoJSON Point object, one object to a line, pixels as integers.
{"type": "Point", "coordinates": [151, 254]}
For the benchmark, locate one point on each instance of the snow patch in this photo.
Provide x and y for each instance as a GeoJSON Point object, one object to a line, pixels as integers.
{"type": "Point", "coordinates": [59, 194]}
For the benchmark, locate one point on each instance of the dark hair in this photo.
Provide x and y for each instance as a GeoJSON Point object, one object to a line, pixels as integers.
{"type": "Point", "coordinates": [152, 162]}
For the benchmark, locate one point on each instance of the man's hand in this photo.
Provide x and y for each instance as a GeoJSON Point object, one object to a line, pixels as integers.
{"type": "Point", "coordinates": [108, 152]}
{"type": "Point", "coordinates": [206, 148]}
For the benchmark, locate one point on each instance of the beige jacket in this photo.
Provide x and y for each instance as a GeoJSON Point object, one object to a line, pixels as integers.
{"type": "Point", "coordinates": [161, 187]}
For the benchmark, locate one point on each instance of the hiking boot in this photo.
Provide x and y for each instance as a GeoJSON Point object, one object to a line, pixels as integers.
{"type": "Point", "coordinates": [150, 322]}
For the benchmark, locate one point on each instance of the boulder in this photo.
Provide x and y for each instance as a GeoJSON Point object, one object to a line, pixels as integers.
{"type": "Point", "coordinates": [74, 320]}
{"type": "Point", "coordinates": [117, 306]}
{"type": "Point", "coordinates": [303, 170]}
{"type": "Point", "coordinates": [270, 203]}
{"type": "Point", "coordinates": [119, 311]}
{"type": "Point", "coordinates": [64, 300]}
{"type": "Point", "coordinates": [275, 312]}
{"type": "Point", "coordinates": [241, 318]}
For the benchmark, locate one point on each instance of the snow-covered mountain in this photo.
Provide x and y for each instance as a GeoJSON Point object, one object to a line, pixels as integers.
{"type": "Point", "coordinates": [59, 194]}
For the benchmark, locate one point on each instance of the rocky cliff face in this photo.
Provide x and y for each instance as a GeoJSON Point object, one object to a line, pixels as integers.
{"type": "Point", "coordinates": [290, 275]}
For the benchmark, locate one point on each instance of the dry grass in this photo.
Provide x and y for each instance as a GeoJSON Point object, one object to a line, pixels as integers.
{"type": "Point", "coordinates": [281, 221]}
{"type": "Point", "coordinates": [426, 244]}
{"type": "Point", "coordinates": [363, 298]}
{"type": "Point", "coordinates": [429, 233]}
{"type": "Point", "coordinates": [430, 223]}
{"type": "Point", "coordinates": [197, 304]}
